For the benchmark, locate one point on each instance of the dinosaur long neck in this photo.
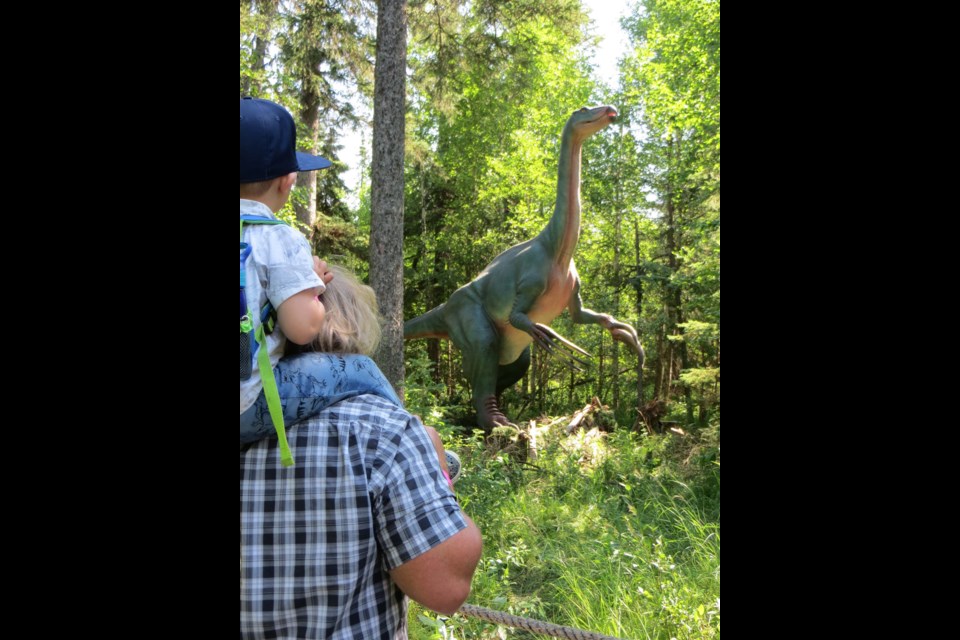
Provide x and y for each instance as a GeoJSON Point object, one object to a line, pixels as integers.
{"type": "Point", "coordinates": [563, 230]}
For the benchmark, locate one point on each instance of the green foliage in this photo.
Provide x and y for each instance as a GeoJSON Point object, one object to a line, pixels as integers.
{"type": "Point", "coordinates": [675, 69]}
{"type": "Point", "coordinates": [671, 80]}
{"type": "Point", "coordinates": [423, 393]}
{"type": "Point", "coordinates": [700, 377]}
{"type": "Point", "coordinates": [615, 533]}
{"type": "Point", "coordinates": [492, 84]}
{"type": "Point", "coordinates": [486, 147]}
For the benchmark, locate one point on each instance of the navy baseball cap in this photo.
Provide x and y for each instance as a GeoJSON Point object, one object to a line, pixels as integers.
{"type": "Point", "coordinates": [268, 143]}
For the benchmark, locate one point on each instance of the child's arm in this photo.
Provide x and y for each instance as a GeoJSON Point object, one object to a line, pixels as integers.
{"type": "Point", "coordinates": [307, 307]}
{"type": "Point", "coordinates": [322, 269]}
{"type": "Point", "coordinates": [300, 316]}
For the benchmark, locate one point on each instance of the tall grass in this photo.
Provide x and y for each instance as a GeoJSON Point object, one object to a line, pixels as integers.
{"type": "Point", "coordinates": [618, 534]}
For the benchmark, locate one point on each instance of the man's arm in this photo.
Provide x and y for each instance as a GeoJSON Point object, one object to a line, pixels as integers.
{"type": "Point", "coordinates": [439, 579]}
{"type": "Point", "coordinates": [416, 509]}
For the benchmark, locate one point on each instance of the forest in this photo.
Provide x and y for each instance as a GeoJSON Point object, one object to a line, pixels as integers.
{"type": "Point", "coordinates": [613, 526]}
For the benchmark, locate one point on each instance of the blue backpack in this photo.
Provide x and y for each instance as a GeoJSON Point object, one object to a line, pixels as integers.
{"type": "Point", "coordinates": [252, 343]}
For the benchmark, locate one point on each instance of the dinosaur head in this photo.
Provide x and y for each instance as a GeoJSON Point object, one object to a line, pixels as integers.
{"type": "Point", "coordinates": [587, 121]}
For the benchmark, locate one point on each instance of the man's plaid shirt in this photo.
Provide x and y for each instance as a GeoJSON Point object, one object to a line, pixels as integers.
{"type": "Point", "coordinates": [317, 539]}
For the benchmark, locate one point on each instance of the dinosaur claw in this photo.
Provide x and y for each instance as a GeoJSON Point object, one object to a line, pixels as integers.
{"type": "Point", "coordinates": [627, 335]}
{"type": "Point", "coordinates": [553, 335]}
{"type": "Point", "coordinates": [555, 345]}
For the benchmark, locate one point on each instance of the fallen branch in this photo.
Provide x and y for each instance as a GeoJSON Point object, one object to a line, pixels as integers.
{"type": "Point", "coordinates": [581, 415]}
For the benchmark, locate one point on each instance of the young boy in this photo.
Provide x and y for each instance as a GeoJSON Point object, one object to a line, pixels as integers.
{"type": "Point", "coordinates": [280, 269]}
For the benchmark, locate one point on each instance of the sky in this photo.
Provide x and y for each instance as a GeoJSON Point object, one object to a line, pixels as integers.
{"type": "Point", "coordinates": [606, 16]}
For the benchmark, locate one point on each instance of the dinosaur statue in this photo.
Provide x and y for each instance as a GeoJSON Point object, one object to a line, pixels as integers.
{"type": "Point", "coordinates": [494, 319]}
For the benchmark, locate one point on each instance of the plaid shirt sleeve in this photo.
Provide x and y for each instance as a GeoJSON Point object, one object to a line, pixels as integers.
{"type": "Point", "coordinates": [415, 510]}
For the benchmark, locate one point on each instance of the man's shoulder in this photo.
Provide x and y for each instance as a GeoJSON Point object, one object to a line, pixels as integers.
{"type": "Point", "coordinates": [381, 428]}
{"type": "Point", "coordinates": [367, 408]}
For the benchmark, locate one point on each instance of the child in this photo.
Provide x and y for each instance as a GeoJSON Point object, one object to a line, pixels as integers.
{"type": "Point", "coordinates": [352, 323]}
{"type": "Point", "coordinates": [280, 269]}
{"type": "Point", "coordinates": [352, 326]}
{"type": "Point", "coordinates": [335, 365]}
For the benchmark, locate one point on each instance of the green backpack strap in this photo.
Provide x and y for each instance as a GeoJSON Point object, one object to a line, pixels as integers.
{"type": "Point", "coordinates": [272, 394]}
{"type": "Point", "coordinates": [270, 391]}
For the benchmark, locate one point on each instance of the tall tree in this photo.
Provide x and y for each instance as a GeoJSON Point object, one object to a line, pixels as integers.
{"type": "Point", "coordinates": [674, 73]}
{"type": "Point", "coordinates": [323, 51]}
{"type": "Point", "coordinates": [386, 223]}
{"type": "Point", "coordinates": [257, 19]}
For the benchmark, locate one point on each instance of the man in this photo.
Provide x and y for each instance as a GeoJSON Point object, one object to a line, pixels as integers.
{"type": "Point", "coordinates": [330, 547]}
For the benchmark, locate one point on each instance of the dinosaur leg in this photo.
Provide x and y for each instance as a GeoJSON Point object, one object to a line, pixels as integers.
{"type": "Point", "coordinates": [508, 374]}
{"type": "Point", "coordinates": [479, 343]}
{"type": "Point", "coordinates": [481, 368]}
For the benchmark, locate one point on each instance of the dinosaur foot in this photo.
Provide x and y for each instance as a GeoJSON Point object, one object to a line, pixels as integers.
{"type": "Point", "coordinates": [554, 344]}
{"type": "Point", "coordinates": [489, 415]}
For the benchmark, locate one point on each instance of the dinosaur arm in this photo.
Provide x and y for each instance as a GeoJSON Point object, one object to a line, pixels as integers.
{"type": "Point", "coordinates": [543, 336]}
{"type": "Point", "coordinates": [581, 315]}
{"type": "Point", "coordinates": [620, 331]}
{"type": "Point", "coordinates": [524, 301]}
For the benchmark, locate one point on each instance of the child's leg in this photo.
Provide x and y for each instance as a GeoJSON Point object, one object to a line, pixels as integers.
{"type": "Point", "coordinates": [311, 382]}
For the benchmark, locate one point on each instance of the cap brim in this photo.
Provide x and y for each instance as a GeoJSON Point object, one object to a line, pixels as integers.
{"type": "Point", "coordinates": [307, 162]}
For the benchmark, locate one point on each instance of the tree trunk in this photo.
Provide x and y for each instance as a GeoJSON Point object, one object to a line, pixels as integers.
{"type": "Point", "coordinates": [538, 377]}
{"type": "Point", "coordinates": [615, 381]}
{"type": "Point", "coordinates": [662, 364]}
{"type": "Point", "coordinates": [451, 387]}
{"type": "Point", "coordinates": [617, 227]}
{"type": "Point", "coordinates": [309, 140]}
{"type": "Point", "coordinates": [639, 288]}
{"type": "Point", "coordinates": [600, 375]}
{"type": "Point", "coordinates": [386, 218]}
{"type": "Point", "coordinates": [525, 380]}
{"type": "Point", "coordinates": [675, 315]}
{"type": "Point", "coordinates": [672, 293]}
{"type": "Point", "coordinates": [687, 390]}
{"type": "Point", "coordinates": [684, 359]}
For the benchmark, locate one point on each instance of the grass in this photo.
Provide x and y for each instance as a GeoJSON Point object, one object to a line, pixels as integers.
{"type": "Point", "coordinates": [614, 533]}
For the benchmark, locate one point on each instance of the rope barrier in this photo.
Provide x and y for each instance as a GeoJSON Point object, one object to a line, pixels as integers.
{"type": "Point", "coordinates": [529, 624]}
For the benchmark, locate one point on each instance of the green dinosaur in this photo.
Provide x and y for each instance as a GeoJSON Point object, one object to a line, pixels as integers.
{"type": "Point", "coordinates": [494, 319]}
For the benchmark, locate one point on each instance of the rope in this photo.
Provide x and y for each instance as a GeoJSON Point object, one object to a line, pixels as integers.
{"type": "Point", "coordinates": [528, 624]}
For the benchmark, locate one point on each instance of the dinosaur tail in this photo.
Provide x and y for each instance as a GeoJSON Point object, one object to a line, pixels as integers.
{"type": "Point", "coordinates": [430, 325]}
